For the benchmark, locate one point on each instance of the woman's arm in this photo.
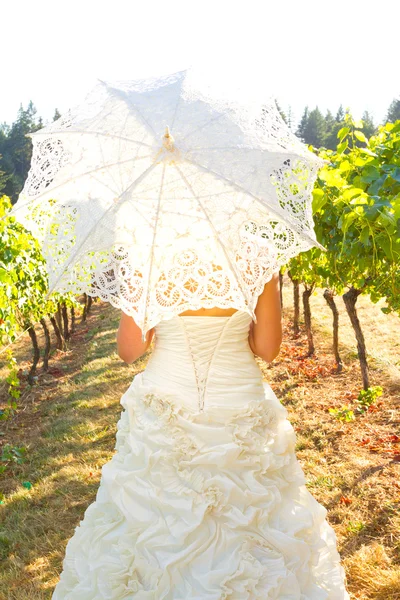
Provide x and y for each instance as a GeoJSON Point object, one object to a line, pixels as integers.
{"type": "Point", "coordinates": [129, 339]}
{"type": "Point", "coordinates": [265, 336]}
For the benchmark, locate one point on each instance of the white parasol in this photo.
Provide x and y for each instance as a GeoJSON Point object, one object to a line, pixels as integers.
{"type": "Point", "coordinates": [159, 198]}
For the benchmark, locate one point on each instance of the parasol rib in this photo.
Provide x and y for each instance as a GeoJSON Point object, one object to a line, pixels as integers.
{"type": "Point", "coordinates": [234, 270]}
{"type": "Point", "coordinates": [203, 126]}
{"type": "Point", "coordinates": [119, 145]}
{"type": "Point", "coordinates": [175, 113]}
{"type": "Point", "coordinates": [87, 132]}
{"type": "Point", "coordinates": [47, 190]}
{"type": "Point", "coordinates": [129, 188]}
{"type": "Point", "coordinates": [152, 248]}
{"type": "Point", "coordinates": [280, 215]}
{"type": "Point", "coordinates": [125, 98]}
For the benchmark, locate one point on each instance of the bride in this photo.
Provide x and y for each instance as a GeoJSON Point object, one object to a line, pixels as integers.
{"type": "Point", "coordinates": [204, 498]}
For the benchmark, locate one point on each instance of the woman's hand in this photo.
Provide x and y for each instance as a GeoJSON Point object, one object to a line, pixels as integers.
{"type": "Point", "coordinates": [129, 339]}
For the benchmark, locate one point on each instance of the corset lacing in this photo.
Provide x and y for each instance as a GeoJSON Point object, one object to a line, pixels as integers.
{"type": "Point", "coordinates": [201, 361]}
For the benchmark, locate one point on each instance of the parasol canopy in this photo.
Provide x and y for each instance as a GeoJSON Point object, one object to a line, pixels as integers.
{"type": "Point", "coordinates": [159, 198]}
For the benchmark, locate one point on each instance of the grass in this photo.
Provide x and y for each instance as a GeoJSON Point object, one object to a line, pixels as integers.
{"type": "Point", "coordinates": [68, 423]}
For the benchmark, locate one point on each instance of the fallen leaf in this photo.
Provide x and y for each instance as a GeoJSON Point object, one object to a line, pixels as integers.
{"type": "Point", "coordinates": [345, 500]}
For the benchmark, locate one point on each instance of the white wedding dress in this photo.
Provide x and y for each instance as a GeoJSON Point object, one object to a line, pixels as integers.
{"type": "Point", "coordinates": [204, 498]}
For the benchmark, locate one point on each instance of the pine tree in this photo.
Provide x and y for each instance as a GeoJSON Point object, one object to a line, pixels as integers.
{"type": "Point", "coordinates": [17, 150]}
{"type": "Point", "coordinates": [393, 113]}
{"type": "Point", "coordinates": [56, 115]}
{"type": "Point", "coordinates": [3, 179]}
{"type": "Point", "coordinates": [333, 125]}
{"type": "Point", "coordinates": [368, 124]}
{"type": "Point", "coordinates": [340, 114]}
{"type": "Point", "coordinates": [315, 130]}
{"type": "Point", "coordinates": [300, 132]}
{"type": "Point", "coordinates": [331, 128]}
{"type": "Point", "coordinates": [329, 120]}
{"type": "Point", "coordinates": [5, 165]}
{"type": "Point", "coordinates": [290, 117]}
{"type": "Point", "coordinates": [5, 128]}
{"type": "Point", "coordinates": [280, 111]}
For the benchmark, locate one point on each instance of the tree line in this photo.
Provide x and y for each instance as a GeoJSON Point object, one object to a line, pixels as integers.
{"type": "Point", "coordinates": [16, 150]}
{"type": "Point", "coordinates": [321, 131]}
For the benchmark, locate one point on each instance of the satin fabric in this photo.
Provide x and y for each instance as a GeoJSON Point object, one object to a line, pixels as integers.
{"type": "Point", "coordinates": [204, 498]}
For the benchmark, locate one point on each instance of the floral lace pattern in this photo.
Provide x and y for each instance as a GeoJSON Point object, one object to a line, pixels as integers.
{"type": "Point", "coordinates": [156, 228]}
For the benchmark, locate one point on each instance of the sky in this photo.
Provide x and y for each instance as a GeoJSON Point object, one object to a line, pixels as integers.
{"type": "Point", "coordinates": [315, 53]}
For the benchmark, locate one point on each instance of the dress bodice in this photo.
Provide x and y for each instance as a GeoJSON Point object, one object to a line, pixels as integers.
{"type": "Point", "coordinates": [205, 360]}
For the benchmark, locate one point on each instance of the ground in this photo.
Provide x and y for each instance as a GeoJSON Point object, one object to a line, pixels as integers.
{"type": "Point", "coordinates": [67, 422]}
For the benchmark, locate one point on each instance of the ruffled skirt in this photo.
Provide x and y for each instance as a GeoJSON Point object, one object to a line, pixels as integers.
{"type": "Point", "coordinates": [203, 506]}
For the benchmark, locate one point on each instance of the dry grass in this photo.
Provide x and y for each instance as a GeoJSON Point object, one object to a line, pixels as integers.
{"type": "Point", "coordinates": [68, 423]}
{"type": "Point", "coordinates": [352, 468]}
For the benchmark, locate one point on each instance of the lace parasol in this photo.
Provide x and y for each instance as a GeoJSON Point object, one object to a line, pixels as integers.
{"type": "Point", "coordinates": [159, 198]}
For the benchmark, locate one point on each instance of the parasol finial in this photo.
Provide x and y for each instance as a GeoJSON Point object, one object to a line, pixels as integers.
{"type": "Point", "coordinates": [168, 140]}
